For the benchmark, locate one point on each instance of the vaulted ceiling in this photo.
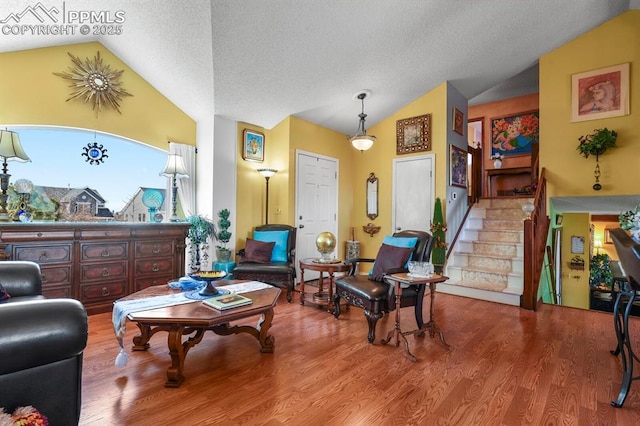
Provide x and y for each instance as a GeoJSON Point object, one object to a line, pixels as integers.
{"type": "Point", "coordinates": [260, 61]}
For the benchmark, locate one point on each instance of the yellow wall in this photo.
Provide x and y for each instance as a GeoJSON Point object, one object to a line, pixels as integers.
{"type": "Point", "coordinates": [38, 98]}
{"type": "Point", "coordinates": [379, 158]}
{"type": "Point", "coordinates": [575, 283]}
{"type": "Point", "coordinates": [568, 173]}
{"type": "Point", "coordinates": [293, 134]}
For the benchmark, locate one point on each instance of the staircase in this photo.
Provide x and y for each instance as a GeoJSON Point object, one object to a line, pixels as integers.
{"type": "Point", "coordinates": [487, 260]}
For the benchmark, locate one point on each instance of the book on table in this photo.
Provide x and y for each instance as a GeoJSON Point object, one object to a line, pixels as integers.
{"type": "Point", "coordinates": [227, 301]}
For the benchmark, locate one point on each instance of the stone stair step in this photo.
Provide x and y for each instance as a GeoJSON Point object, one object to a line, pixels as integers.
{"type": "Point", "coordinates": [513, 214]}
{"type": "Point", "coordinates": [502, 224]}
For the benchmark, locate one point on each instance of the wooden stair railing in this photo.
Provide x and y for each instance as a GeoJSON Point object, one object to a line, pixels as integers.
{"type": "Point", "coordinates": [535, 240]}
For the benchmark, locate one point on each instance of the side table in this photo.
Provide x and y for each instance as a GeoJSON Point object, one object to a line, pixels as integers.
{"type": "Point", "coordinates": [228, 267]}
{"type": "Point", "coordinates": [321, 297]}
{"type": "Point", "coordinates": [404, 278]}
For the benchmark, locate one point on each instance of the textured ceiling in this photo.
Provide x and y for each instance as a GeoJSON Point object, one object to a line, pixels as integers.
{"type": "Point", "coordinates": [259, 61]}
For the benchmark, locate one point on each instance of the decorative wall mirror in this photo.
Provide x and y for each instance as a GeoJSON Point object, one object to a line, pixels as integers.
{"type": "Point", "coordinates": [372, 196]}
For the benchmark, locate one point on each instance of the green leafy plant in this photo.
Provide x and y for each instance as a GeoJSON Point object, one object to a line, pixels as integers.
{"type": "Point", "coordinates": [438, 229]}
{"type": "Point", "coordinates": [223, 235]}
{"type": "Point", "coordinates": [600, 274]}
{"type": "Point", "coordinates": [598, 142]}
{"type": "Point", "coordinates": [201, 229]}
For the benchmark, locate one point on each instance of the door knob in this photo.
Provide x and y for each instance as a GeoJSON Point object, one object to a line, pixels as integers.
{"type": "Point", "coordinates": [398, 228]}
{"type": "Point", "coordinates": [300, 226]}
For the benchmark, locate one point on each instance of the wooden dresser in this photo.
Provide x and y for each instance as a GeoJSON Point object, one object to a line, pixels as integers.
{"type": "Point", "coordinates": [98, 263]}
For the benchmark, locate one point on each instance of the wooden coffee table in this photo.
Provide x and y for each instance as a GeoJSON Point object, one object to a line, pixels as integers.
{"type": "Point", "coordinates": [196, 318]}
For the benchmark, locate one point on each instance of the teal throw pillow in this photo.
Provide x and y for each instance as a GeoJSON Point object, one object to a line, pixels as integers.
{"type": "Point", "coordinates": [279, 253]}
{"type": "Point", "coordinates": [404, 242]}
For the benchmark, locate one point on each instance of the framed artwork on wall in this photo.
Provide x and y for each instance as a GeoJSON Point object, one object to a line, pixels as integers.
{"type": "Point", "coordinates": [458, 167]}
{"type": "Point", "coordinates": [514, 134]}
{"type": "Point", "coordinates": [252, 146]}
{"type": "Point", "coordinates": [413, 134]}
{"type": "Point", "coordinates": [600, 93]}
{"type": "Point", "coordinates": [458, 121]}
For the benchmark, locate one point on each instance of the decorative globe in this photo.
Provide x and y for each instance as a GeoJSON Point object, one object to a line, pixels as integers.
{"type": "Point", "coordinates": [326, 244]}
{"type": "Point", "coordinates": [152, 198]}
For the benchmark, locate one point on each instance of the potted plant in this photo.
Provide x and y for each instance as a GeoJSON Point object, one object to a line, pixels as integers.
{"type": "Point", "coordinates": [600, 275]}
{"type": "Point", "coordinates": [223, 253]}
{"type": "Point", "coordinates": [201, 229]}
{"type": "Point", "coordinates": [438, 229]}
{"type": "Point", "coordinates": [597, 143]}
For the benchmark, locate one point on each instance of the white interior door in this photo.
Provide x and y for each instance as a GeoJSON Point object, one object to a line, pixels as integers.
{"type": "Point", "coordinates": [413, 193]}
{"type": "Point", "coordinates": [316, 203]}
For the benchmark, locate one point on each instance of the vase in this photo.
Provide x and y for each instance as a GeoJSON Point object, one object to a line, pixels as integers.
{"type": "Point", "coordinates": [497, 163]}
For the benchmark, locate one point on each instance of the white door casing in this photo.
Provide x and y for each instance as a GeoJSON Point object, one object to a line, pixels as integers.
{"type": "Point", "coordinates": [413, 193]}
{"type": "Point", "coordinates": [316, 203]}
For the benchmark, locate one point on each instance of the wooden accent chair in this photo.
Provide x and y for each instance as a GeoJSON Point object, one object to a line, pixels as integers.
{"type": "Point", "coordinates": [377, 297]}
{"type": "Point", "coordinates": [280, 274]}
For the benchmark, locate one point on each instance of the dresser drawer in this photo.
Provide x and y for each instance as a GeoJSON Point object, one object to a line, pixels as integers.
{"type": "Point", "coordinates": [142, 283]}
{"type": "Point", "coordinates": [104, 271]}
{"type": "Point", "coordinates": [43, 253]}
{"type": "Point", "coordinates": [55, 275]}
{"type": "Point", "coordinates": [105, 232]}
{"type": "Point", "coordinates": [153, 248]}
{"type": "Point", "coordinates": [103, 291]}
{"type": "Point", "coordinates": [56, 292]}
{"type": "Point", "coordinates": [103, 251]}
{"type": "Point", "coordinates": [154, 266]}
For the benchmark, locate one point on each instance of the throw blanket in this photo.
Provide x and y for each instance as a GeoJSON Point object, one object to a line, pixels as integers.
{"type": "Point", "coordinates": [122, 308]}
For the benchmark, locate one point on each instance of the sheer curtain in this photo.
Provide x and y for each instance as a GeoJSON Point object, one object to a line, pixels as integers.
{"type": "Point", "coordinates": [186, 186]}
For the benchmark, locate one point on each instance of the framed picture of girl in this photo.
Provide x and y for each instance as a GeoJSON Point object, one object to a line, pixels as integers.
{"type": "Point", "coordinates": [600, 93]}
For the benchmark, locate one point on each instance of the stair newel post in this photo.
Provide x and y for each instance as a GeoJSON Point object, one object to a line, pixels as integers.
{"type": "Point", "coordinates": [528, 299]}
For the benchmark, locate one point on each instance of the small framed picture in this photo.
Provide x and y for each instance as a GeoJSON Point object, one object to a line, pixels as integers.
{"type": "Point", "coordinates": [413, 134]}
{"type": "Point", "coordinates": [458, 167]}
{"type": "Point", "coordinates": [600, 93]}
{"type": "Point", "coordinates": [252, 146]}
{"type": "Point", "coordinates": [458, 121]}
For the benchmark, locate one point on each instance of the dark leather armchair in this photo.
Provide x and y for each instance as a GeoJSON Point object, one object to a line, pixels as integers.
{"type": "Point", "coordinates": [377, 297]}
{"type": "Point", "coordinates": [279, 274]}
{"type": "Point", "coordinates": [41, 347]}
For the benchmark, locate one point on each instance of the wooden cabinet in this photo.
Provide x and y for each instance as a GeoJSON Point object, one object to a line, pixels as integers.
{"type": "Point", "coordinates": [98, 263]}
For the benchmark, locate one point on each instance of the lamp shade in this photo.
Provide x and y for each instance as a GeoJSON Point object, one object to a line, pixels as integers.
{"type": "Point", "coordinates": [362, 142]}
{"type": "Point", "coordinates": [10, 147]}
{"type": "Point", "coordinates": [267, 172]}
{"type": "Point", "coordinates": [174, 166]}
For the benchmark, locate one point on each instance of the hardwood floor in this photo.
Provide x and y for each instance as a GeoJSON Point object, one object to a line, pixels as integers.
{"type": "Point", "coordinates": [508, 367]}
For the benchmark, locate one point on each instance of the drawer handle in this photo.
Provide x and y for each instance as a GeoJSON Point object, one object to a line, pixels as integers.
{"type": "Point", "coordinates": [43, 256]}
{"type": "Point", "coordinates": [156, 249]}
{"type": "Point", "coordinates": [44, 278]}
{"type": "Point", "coordinates": [105, 272]}
{"type": "Point", "coordinates": [155, 267]}
{"type": "Point", "coordinates": [105, 291]}
{"type": "Point", "coordinates": [105, 253]}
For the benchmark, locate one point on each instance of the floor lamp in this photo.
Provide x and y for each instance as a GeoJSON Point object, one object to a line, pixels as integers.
{"type": "Point", "coordinates": [174, 169]}
{"type": "Point", "coordinates": [267, 173]}
{"type": "Point", "coordinates": [10, 150]}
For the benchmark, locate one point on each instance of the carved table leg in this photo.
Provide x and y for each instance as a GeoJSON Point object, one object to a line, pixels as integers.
{"type": "Point", "coordinates": [267, 342]}
{"type": "Point", "coordinates": [178, 352]}
{"type": "Point", "coordinates": [397, 331]}
{"type": "Point", "coordinates": [301, 285]}
{"type": "Point", "coordinates": [141, 341]}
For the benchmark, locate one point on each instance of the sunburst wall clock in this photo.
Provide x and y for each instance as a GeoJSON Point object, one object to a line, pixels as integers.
{"type": "Point", "coordinates": [95, 82]}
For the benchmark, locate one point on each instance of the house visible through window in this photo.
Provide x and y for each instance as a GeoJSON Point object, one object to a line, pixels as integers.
{"type": "Point", "coordinates": [67, 187]}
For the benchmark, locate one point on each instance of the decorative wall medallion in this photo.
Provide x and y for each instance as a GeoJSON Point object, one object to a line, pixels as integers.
{"type": "Point", "coordinates": [95, 153]}
{"type": "Point", "coordinates": [95, 82]}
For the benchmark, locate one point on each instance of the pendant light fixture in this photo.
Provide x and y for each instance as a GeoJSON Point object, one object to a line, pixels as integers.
{"type": "Point", "coordinates": [361, 140]}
